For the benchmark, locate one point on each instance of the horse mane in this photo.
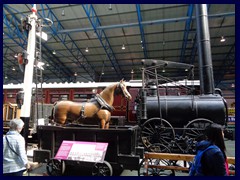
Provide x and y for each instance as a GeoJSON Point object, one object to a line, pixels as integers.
{"type": "Point", "coordinates": [111, 87]}
{"type": "Point", "coordinates": [108, 93]}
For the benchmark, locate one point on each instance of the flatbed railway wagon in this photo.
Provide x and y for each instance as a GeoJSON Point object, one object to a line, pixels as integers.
{"type": "Point", "coordinates": [122, 153]}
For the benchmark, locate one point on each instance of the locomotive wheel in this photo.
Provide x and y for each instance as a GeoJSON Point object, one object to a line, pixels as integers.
{"type": "Point", "coordinates": [157, 130]}
{"type": "Point", "coordinates": [102, 169]}
{"type": "Point", "coordinates": [55, 167]}
{"type": "Point", "coordinates": [195, 129]}
{"type": "Point", "coordinates": [155, 171]}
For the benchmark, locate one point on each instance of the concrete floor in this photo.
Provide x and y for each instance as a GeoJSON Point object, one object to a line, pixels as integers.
{"type": "Point", "coordinates": [40, 169]}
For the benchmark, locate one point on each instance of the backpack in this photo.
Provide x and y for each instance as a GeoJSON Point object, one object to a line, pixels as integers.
{"type": "Point", "coordinates": [196, 166]}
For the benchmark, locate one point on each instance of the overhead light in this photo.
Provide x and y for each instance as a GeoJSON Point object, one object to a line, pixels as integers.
{"type": "Point", "coordinates": [47, 64]}
{"type": "Point", "coordinates": [102, 73]}
{"type": "Point", "coordinates": [63, 12]}
{"type": "Point", "coordinates": [94, 90]}
{"type": "Point", "coordinates": [86, 50]}
{"type": "Point", "coordinates": [13, 69]}
{"type": "Point", "coordinates": [222, 39]}
{"type": "Point", "coordinates": [6, 77]}
{"type": "Point", "coordinates": [110, 7]}
{"type": "Point", "coordinates": [186, 69]}
{"type": "Point", "coordinates": [123, 47]}
{"type": "Point", "coordinates": [54, 52]}
{"type": "Point", "coordinates": [163, 70]}
{"type": "Point", "coordinates": [75, 74]}
{"type": "Point", "coordinates": [132, 72]}
{"type": "Point", "coordinates": [232, 85]}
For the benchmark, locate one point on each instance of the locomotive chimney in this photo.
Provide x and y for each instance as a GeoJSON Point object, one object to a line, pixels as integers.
{"type": "Point", "coordinates": [204, 50]}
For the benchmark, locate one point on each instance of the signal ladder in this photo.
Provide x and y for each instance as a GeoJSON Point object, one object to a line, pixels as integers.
{"type": "Point", "coordinates": [39, 99]}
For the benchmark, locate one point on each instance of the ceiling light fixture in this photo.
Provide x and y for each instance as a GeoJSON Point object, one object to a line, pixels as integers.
{"type": "Point", "coordinates": [54, 52]}
{"type": "Point", "coordinates": [75, 74]}
{"type": "Point", "coordinates": [222, 39]}
{"type": "Point", "coordinates": [123, 47]}
{"type": "Point", "coordinates": [13, 69]}
{"type": "Point", "coordinates": [63, 12]}
{"type": "Point", "coordinates": [6, 77]}
{"type": "Point", "coordinates": [132, 72]}
{"type": "Point", "coordinates": [15, 55]}
{"type": "Point", "coordinates": [86, 50]}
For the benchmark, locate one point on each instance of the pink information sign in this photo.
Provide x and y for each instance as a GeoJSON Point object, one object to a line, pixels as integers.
{"type": "Point", "coordinates": [82, 151]}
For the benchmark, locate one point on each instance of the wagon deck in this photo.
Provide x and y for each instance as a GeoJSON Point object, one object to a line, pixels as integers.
{"type": "Point", "coordinates": [122, 152]}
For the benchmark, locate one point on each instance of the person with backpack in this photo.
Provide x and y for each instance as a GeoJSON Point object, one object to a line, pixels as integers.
{"type": "Point", "coordinates": [211, 159]}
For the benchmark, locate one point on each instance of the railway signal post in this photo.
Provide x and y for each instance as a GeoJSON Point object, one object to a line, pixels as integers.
{"type": "Point", "coordinates": [28, 74]}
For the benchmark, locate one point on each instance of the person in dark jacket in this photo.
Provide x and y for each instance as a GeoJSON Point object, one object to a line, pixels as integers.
{"type": "Point", "coordinates": [19, 98]}
{"type": "Point", "coordinates": [214, 160]}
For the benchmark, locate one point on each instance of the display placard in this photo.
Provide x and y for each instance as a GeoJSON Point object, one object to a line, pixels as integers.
{"type": "Point", "coordinates": [82, 151]}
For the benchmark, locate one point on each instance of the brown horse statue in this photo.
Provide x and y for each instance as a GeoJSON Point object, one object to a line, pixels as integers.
{"type": "Point", "coordinates": [97, 109]}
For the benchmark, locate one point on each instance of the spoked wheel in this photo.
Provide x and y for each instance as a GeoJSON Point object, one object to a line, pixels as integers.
{"type": "Point", "coordinates": [157, 130]}
{"type": "Point", "coordinates": [102, 169]}
{"type": "Point", "coordinates": [195, 129]}
{"type": "Point", "coordinates": [142, 171]}
{"type": "Point", "coordinates": [55, 167]}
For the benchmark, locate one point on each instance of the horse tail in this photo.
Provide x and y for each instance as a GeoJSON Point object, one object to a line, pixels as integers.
{"type": "Point", "coordinates": [51, 118]}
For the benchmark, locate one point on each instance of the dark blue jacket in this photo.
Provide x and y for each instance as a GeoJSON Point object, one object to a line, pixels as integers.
{"type": "Point", "coordinates": [213, 160]}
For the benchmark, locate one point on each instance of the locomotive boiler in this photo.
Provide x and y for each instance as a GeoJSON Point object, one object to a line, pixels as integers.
{"type": "Point", "coordinates": [176, 122]}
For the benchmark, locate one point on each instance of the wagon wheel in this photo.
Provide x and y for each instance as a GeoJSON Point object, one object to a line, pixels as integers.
{"type": "Point", "coordinates": [55, 167]}
{"type": "Point", "coordinates": [157, 130]}
{"type": "Point", "coordinates": [195, 129]}
{"type": "Point", "coordinates": [155, 171]}
{"type": "Point", "coordinates": [102, 169]}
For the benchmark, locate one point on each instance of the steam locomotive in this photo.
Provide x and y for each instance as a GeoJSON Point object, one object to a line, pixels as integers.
{"type": "Point", "coordinates": [176, 123]}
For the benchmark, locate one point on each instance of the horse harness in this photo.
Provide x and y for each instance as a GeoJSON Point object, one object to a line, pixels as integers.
{"type": "Point", "coordinates": [103, 105]}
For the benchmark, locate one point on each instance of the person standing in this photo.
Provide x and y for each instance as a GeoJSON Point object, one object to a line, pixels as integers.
{"type": "Point", "coordinates": [213, 160]}
{"type": "Point", "coordinates": [15, 160]}
{"type": "Point", "coordinates": [19, 98]}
